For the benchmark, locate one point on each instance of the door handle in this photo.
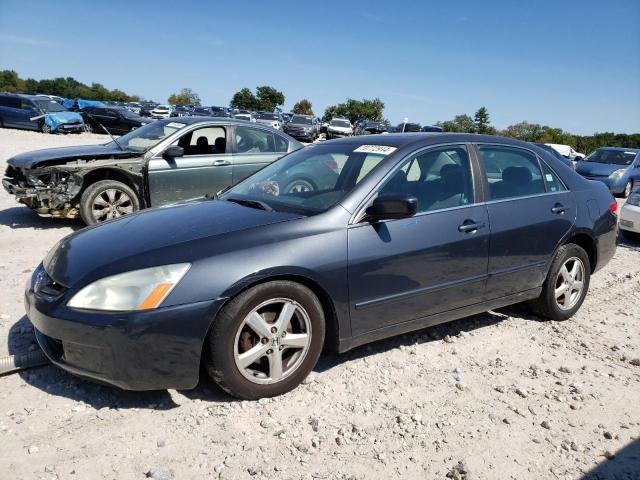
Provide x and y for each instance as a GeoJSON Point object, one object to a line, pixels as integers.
{"type": "Point", "coordinates": [470, 226]}
{"type": "Point", "coordinates": [558, 209]}
{"type": "Point", "coordinates": [221, 163]}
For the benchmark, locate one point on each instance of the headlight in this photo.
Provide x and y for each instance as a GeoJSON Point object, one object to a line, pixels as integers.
{"type": "Point", "coordinates": [618, 173]}
{"type": "Point", "coordinates": [136, 290]}
{"type": "Point", "coordinates": [634, 199]}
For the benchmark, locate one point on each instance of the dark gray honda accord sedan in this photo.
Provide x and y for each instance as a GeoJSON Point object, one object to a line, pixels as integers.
{"type": "Point", "coordinates": [381, 235]}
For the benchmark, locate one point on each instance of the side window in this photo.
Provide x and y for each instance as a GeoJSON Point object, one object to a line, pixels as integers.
{"type": "Point", "coordinates": [554, 184]}
{"type": "Point", "coordinates": [26, 105]}
{"type": "Point", "coordinates": [204, 141]}
{"type": "Point", "coordinates": [253, 140]}
{"type": "Point", "coordinates": [439, 178]}
{"type": "Point", "coordinates": [282, 145]}
{"type": "Point", "coordinates": [511, 172]}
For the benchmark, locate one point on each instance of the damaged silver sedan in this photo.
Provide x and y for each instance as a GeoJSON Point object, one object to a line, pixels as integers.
{"type": "Point", "coordinates": [163, 162]}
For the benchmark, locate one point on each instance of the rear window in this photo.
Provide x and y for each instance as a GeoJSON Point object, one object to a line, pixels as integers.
{"type": "Point", "coordinates": [511, 172]}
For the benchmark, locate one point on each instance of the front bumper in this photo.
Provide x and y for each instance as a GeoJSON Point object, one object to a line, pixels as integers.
{"type": "Point", "coordinates": [308, 136]}
{"type": "Point", "coordinates": [146, 350]}
{"type": "Point", "coordinates": [334, 134]}
{"type": "Point", "coordinates": [630, 218]}
{"type": "Point", "coordinates": [70, 127]}
{"type": "Point", "coordinates": [616, 186]}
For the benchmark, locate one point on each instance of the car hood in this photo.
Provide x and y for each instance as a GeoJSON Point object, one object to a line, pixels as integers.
{"type": "Point", "coordinates": [142, 239]}
{"type": "Point", "coordinates": [62, 154]}
{"type": "Point", "coordinates": [600, 169]}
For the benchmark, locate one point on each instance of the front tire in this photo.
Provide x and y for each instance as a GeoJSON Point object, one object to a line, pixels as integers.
{"type": "Point", "coordinates": [628, 188]}
{"type": "Point", "coordinates": [107, 199]}
{"type": "Point", "coordinates": [44, 128]}
{"type": "Point", "coordinates": [266, 340]}
{"type": "Point", "coordinates": [566, 285]}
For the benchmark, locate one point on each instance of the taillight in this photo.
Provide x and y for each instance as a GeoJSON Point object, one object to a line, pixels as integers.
{"type": "Point", "coordinates": [613, 207]}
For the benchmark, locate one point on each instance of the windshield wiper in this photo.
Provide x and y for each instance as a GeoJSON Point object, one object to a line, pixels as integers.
{"type": "Point", "coordinates": [105, 129]}
{"type": "Point", "coordinates": [251, 204]}
{"type": "Point", "coordinates": [215, 196]}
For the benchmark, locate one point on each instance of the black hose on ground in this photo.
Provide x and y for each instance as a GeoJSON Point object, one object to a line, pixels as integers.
{"type": "Point", "coordinates": [16, 363]}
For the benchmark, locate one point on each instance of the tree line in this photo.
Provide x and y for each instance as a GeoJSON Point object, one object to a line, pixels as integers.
{"type": "Point", "coordinates": [268, 98]}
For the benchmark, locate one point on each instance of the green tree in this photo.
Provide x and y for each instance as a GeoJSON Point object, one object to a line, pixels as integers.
{"type": "Point", "coordinates": [185, 97]}
{"type": "Point", "coordinates": [303, 107]}
{"type": "Point", "coordinates": [269, 98]}
{"type": "Point", "coordinates": [459, 124]}
{"type": "Point", "coordinates": [244, 100]}
{"type": "Point", "coordinates": [481, 122]}
{"type": "Point", "coordinates": [356, 110]}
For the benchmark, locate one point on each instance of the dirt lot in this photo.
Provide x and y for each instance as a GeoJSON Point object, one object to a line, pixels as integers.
{"type": "Point", "coordinates": [537, 400]}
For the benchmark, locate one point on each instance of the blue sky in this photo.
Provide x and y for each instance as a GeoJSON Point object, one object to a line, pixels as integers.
{"type": "Point", "coordinates": [570, 64]}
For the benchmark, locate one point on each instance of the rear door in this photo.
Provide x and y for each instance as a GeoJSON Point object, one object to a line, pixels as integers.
{"type": "Point", "coordinates": [205, 168]}
{"type": "Point", "coordinates": [530, 212]}
{"type": "Point", "coordinates": [254, 148]}
{"type": "Point", "coordinates": [411, 268]}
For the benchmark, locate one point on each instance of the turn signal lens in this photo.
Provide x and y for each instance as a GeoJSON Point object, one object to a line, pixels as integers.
{"type": "Point", "coordinates": [156, 297]}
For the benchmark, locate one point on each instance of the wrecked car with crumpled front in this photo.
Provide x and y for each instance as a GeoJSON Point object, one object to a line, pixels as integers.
{"type": "Point", "coordinates": [160, 163]}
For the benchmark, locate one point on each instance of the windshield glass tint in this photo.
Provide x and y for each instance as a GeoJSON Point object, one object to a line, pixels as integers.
{"type": "Point", "coordinates": [143, 138]}
{"type": "Point", "coordinates": [268, 116]}
{"type": "Point", "coordinates": [340, 123]}
{"type": "Point", "coordinates": [50, 106]}
{"type": "Point", "coordinates": [612, 157]}
{"type": "Point", "coordinates": [310, 180]}
{"type": "Point", "coordinates": [302, 120]}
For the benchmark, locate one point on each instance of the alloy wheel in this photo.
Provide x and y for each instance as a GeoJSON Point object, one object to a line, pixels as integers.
{"type": "Point", "coordinates": [569, 283]}
{"type": "Point", "coordinates": [111, 203]}
{"type": "Point", "coordinates": [628, 188]}
{"type": "Point", "coordinates": [299, 186]}
{"type": "Point", "coordinates": [272, 341]}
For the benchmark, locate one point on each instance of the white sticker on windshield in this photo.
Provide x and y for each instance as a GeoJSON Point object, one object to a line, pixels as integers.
{"type": "Point", "coordinates": [176, 125]}
{"type": "Point", "coordinates": [549, 177]}
{"type": "Point", "coordinates": [381, 149]}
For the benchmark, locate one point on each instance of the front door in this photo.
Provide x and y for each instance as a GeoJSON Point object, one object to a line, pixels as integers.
{"type": "Point", "coordinates": [530, 211]}
{"type": "Point", "coordinates": [205, 168]}
{"type": "Point", "coordinates": [401, 270]}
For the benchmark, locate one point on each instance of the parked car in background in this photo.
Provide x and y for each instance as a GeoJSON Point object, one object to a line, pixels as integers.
{"type": "Point", "coordinates": [116, 120]}
{"type": "Point", "coordinates": [159, 163]}
{"type": "Point", "coordinates": [339, 127]}
{"type": "Point", "coordinates": [618, 168]}
{"type": "Point", "coordinates": [161, 111]}
{"type": "Point", "coordinates": [32, 112]}
{"type": "Point", "coordinates": [303, 127]}
{"type": "Point", "coordinates": [210, 112]}
{"type": "Point", "coordinates": [371, 127]}
{"type": "Point", "coordinates": [133, 107]}
{"type": "Point", "coordinates": [181, 111]}
{"type": "Point", "coordinates": [567, 151]}
{"type": "Point", "coordinates": [629, 223]}
{"type": "Point", "coordinates": [245, 116]}
{"type": "Point", "coordinates": [432, 129]}
{"type": "Point", "coordinates": [556, 154]}
{"type": "Point", "coordinates": [251, 286]}
{"type": "Point", "coordinates": [407, 127]}
{"type": "Point", "coordinates": [272, 119]}
{"type": "Point", "coordinates": [146, 108]}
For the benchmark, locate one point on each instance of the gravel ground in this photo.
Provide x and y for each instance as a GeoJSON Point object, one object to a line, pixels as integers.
{"type": "Point", "coordinates": [536, 399]}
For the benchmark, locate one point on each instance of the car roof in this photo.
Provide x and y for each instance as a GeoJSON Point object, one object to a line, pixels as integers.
{"type": "Point", "coordinates": [399, 140]}
{"type": "Point", "coordinates": [621, 149]}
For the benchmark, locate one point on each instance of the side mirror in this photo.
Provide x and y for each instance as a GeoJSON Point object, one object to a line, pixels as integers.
{"type": "Point", "coordinates": [172, 152]}
{"type": "Point", "coordinates": [392, 206]}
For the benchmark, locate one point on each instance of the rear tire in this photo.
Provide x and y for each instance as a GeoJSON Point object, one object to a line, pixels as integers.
{"type": "Point", "coordinates": [566, 285]}
{"type": "Point", "coordinates": [107, 199]}
{"type": "Point", "coordinates": [232, 337]}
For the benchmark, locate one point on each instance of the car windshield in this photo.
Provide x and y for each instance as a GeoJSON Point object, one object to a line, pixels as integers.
{"type": "Point", "coordinates": [302, 120]}
{"type": "Point", "coordinates": [201, 110]}
{"type": "Point", "coordinates": [310, 180]}
{"type": "Point", "coordinates": [50, 106]}
{"type": "Point", "coordinates": [340, 123]}
{"type": "Point", "coordinates": [143, 138]}
{"type": "Point", "coordinates": [268, 116]}
{"type": "Point", "coordinates": [611, 157]}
